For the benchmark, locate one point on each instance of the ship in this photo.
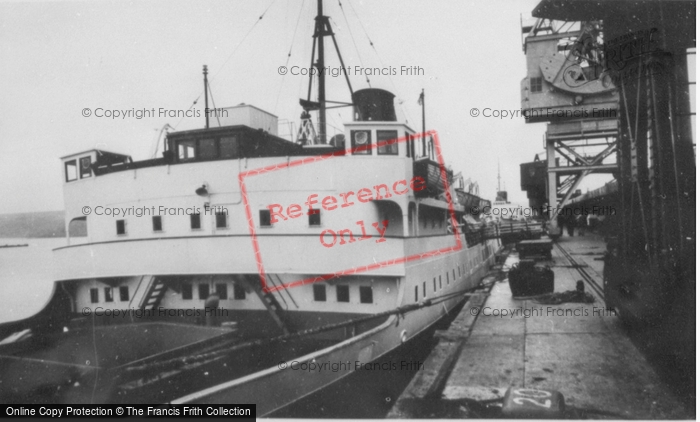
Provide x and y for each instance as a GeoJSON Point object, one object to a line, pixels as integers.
{"type": "Point", "coordinates": [209, 271]}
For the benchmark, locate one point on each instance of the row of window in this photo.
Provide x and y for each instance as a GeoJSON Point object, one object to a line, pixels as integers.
{"type": "Point", "coordinates": [437, 281]}
{"type": "Point", "coordinates": [363, 138]}
{"type": "Point", "coordinates": [109, 294]}
{"type": "Point", "coordinates": [221, 289]}
{"type": "Point", "coordinates": [208, 149]}
{"type": "Point", "coordinates": [228, 147]}
{"type": "Point", "coordinates": [265, 221]}
{"type": "Point", "coordinates": [195, 222]}
{"type": "Point", "coordinates": [203, 290]}
{"type": "Point", "coordinates": [342, 293]}
{"type": "Point", "coordinates": [266, 217]}
{"type": "Point", "coordinates": [221, 221]}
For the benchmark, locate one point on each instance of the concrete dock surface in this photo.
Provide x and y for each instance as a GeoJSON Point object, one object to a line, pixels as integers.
{"type": "Point", "coordinates": [582, 350]}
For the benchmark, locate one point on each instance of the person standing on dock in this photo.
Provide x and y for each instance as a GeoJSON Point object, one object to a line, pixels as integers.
{"type": "Point", "coordinates": [581, 224]}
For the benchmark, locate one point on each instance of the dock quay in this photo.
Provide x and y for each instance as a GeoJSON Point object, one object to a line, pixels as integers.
{"type": "Point", "coordinates": [582, 350]}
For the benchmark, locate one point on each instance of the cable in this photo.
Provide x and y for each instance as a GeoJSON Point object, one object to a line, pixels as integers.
{"type": "Point", "coordinates": [289, 55]}
{"type": "Point", "coordinates": [214, 104]}
{"type": "Point", "coordinates": [242, 40]}
{"type": "Point", "coordinates": [391, 80]}
{"type": "Point", "coordinates": [357, 50]}
{"type": "Point", "coordinates": [227, 59]}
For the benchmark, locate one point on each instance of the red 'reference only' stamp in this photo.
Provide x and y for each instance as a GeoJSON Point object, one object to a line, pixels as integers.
{"type": "Point", "coordinates": [329, 238]}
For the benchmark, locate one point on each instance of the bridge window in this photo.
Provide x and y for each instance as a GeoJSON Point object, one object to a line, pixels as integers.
{"type": "Point", "coordinates": [222, 291]}
{"type": "Point", "coordinates": [207, 149]}
{"type": "Point", "coordinates": [416, 291]}
{"type": "Point", "coordinates": [434, 284]}
{"type": "Point", "coordinates": [238, 292]}
{"type": "Point", "coordinates": [187, 292]}
{"type": "Point", "coordinates": [424, 292]}
{"type": "Point", "coordinates": [203, 291]}
{"type": "Point", "coordinates": [109, 297]}
{"type": "Point", "coordinates": [185, 150]}
{"type": "Point", "coordinates": [85, 170]}
{"type": "Point", "coordinates": [536, 84]}
{"type": "Point", "coordinates": [366, 294]}
{"type": "Point", "coordinates": [157, 223]}
{"type": "Point", "coordinates": [360, 139]}
{"type": "Point", "coordinates": [228, 147]}
{"type": "Point", "coordinates": [71, 171]}
{"type": "Point", "coordinates": [94, 295]}
{"type": "Point", "coordinates": [121, 227]}
{"type": "Point", "coordinates": [342, 293]}
{"type": "Point", "coordinates": [390, 148]}
{"type": "Point", "coordinates": [315, 217]}
{"type": "Point", "coordinates": [319, 292]}
{"type": "Point", "coordinates": [124, 293]}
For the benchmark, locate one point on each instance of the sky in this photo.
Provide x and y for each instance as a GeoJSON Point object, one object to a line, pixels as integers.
{"type": "Point", "coordinates": [59, 58]}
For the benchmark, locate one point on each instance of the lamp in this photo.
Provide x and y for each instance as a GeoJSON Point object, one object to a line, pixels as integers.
{"type": "Point", "coordinates": [202, 191]}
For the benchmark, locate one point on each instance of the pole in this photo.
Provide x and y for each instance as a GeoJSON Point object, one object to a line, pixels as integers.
{"type": "Point", "coordinates": [422, 103]}
{"type": "Point", "coordinates": [206, 98]}
{"type": "Point", "coordinates": [320, 31]}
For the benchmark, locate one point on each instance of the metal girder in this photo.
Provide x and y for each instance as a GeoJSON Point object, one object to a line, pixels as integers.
{"type": "Point", "coordinates": [563, 139]}
{"type": "Point", "coordinates": [566, 184]}
{"type": "Point", "coordinates": [600, 168]}
{"type": "Point", "coordinates": [586, 170]}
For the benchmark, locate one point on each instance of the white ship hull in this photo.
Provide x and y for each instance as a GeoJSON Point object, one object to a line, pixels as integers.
{"type": "Point", "coordinates": [278, 386]}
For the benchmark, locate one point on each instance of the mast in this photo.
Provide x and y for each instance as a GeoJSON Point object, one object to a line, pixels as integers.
{"type": "Point", "coordinates": [206, 98]}
{"type": "Point", "coordinates": [322, 28]}
{"type": "Point", "coordinates": [320, 65]}
{"type": "Point", "coordinates": [499, 176]}
{"type": "Point", "coordinates": [421, 101]}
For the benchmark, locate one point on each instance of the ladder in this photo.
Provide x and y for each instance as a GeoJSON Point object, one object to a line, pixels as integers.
{"type": "Point", "coordinates": [154, 293]}
{"type": "Point", "coordinates": [268, 299]}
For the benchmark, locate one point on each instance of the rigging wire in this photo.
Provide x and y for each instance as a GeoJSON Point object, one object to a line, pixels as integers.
{"type": "Point", "coordinates": [352, 37]}
{"type": "Point", "coordinates": [289, 54]}
{"type": "Point", "coordinates": [391, 80]}
{"type": "Point", "coordinates": [214, 104]}
{"type": "Point", "coordinates": [228, 58]}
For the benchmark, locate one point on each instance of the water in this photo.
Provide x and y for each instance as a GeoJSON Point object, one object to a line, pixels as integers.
{"type": "Point", "coordinates": [26, 276]}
